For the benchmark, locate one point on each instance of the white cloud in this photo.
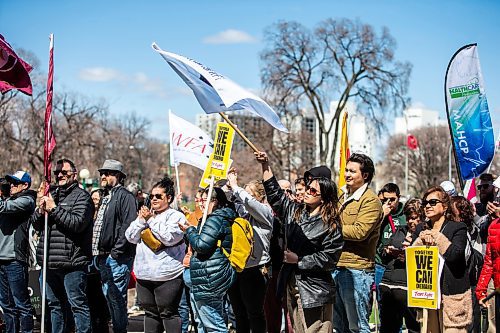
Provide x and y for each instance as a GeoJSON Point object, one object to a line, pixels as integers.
{"type": "Point", "coordinates": [138, 81]}
{"type": "Point", "coordinates": [230, 36]}
{"type": "Point", "coordinates": [99, 74]}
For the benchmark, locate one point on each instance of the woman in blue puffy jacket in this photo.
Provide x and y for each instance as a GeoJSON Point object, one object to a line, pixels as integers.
{"type": "Point", "coordinates": [211, 271]}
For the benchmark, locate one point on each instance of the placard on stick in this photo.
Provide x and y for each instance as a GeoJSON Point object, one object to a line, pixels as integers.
{"type": "Point", "coordinates": [220, 159]}
{"type": "Point", "coordinates": [423, 268]}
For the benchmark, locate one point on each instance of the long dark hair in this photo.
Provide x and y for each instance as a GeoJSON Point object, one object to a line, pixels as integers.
{"type": "Point", "coordinates": [462, 211]}
{"type": "Point", "coordinates": [329, 208]}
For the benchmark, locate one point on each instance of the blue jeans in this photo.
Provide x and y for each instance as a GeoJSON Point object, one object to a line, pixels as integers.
{"type": "Point", "coordinates": [187, 281]}
{"type": "Point", "coordinates": [14, 297]}
{"type": "Point", "coordinates": [67, 296]}
{"type": "Point", "coordinates": [115, 277]}
{"type": "Point", "coordinates": [352, 299]}
{"type": "Point", "coordinates": [211, 314]}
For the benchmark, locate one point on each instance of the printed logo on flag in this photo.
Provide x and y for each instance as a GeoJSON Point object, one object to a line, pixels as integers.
{"type": "Point", "coordinates": [465, 90]}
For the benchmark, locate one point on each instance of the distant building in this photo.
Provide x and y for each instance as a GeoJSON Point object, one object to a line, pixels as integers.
{"type": "Point", "coordinates": [417, 117]}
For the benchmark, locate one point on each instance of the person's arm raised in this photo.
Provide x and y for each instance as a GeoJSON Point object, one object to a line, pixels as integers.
{"type": "Point", "coordinates": [262, 158]}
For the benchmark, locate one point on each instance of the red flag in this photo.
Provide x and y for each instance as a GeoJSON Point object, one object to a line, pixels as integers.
{"type": "Point", "coordinates": [13, 70]}
{"type": "Point", "coordinates": [50, 140]}
{"type": "Point", "coordinates": [412, 142]}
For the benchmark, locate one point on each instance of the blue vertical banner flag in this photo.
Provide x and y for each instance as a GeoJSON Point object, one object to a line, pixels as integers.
{"type": "Point", "coordinates": [468, 114]}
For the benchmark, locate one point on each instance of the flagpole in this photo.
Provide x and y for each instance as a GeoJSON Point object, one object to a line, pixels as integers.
{"type": "Point", "coordinates": [240, 133]}
{"type": "Point", "coordinates": [47, 153]}
{"type": "Point", "coordinates": [209, 197]}
{"type": "Point", "coordinates": [177, 178]}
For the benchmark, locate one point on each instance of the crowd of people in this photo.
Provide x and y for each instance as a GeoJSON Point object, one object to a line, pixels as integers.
{"type": "Point", "coordinates": [323, 257]}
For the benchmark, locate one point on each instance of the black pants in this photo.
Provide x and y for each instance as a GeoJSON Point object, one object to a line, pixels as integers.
{"type": "Point", "coordinates": [393, 308]}
{"type": "Point", "coordinates": [160, 301]}
{"type": "Point", "coordinates": [247, 299]}
{"type": "Point", "coordinates": [475, 327]}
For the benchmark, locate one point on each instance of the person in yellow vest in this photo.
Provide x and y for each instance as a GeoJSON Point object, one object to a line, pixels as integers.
{"type": "Point", "coordinates": [361, 215]}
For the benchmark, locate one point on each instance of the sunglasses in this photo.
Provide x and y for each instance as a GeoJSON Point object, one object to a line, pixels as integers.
{"type": "Point", "coordinates": [312, 191]}
{"type": "Point", "coordinates": [107, 173]}
{"type": "Point", "coordinates": [432, 202]}
{"type": "Point", "coordinates": [63, 172]}
{"type": "Point", "coordinates": [156, 196]}
{"type": "Point", "coordinates": [483, 186]}
{"type": "Point", "coordinates": [384, 200]}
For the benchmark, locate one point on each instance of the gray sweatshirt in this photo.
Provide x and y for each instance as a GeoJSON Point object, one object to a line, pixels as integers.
{"type": "Point", "coordinates": [261, 217]}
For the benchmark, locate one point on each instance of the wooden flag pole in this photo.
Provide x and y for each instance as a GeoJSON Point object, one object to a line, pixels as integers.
{"type": "Point", "coordinates": [240, 133]}
{"type": "Point", "coordinates": [209, 197]}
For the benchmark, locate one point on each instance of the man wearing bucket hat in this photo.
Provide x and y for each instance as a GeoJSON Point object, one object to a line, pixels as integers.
{"type": "Point", "coordinates": [15, 212]}
{"type": "Point", "coordinates": [114, 254]}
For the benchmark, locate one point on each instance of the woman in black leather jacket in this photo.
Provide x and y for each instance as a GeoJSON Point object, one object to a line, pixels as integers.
{"type": "Point", "coordinates": [313, 244]}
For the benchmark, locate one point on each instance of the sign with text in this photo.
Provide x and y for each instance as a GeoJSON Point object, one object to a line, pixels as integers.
{"type": "Point", "coordinates": [219, 161]}
{"type": "Point", "coordinates": [422, 268]}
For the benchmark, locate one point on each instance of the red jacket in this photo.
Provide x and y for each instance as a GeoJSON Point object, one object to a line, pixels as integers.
{"type": "Point", "coordinates": [491, 267]}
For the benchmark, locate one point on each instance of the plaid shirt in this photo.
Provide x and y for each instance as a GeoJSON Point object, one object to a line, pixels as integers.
{"type": "Point", "coordinates": [98, 225]}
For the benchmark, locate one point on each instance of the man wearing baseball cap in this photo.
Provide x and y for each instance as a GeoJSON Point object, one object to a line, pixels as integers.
{"type": "Point", "coordinates": [114, 253]}
{"type": "Point", "coordinates": [15, 212]}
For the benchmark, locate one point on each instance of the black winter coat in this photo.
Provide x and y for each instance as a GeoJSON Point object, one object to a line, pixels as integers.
{"type": "Point", "coordinates": [120, 212]}
{"type": "Point", "coordinates": [455, 279]}
{"type": "Point", "coordinates": [69, 229]}
{"type": "Point", "coordinates": [317, 247]}
{"type": "Point", "coordinates": [15, 213]}
{"type": "Point", "coordinates": [211, 271]}
{"type": "Point", "coordinates": [395, 271]}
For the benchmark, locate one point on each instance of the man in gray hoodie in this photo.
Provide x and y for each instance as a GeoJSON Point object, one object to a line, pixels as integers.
{"type": "Point", "coordinates": [15, 212]}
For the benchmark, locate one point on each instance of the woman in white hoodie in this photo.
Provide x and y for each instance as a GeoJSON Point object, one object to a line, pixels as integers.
{"type": "Point", "coordinates": [247, 294]}
{"type": "Point", "coordinates": [158, 261]}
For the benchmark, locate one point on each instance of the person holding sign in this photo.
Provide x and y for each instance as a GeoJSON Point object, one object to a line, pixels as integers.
{"type": "Point", "coordinates": [249, 290]}
{"type": "Point", "coordinates": [450, 238]}
{"type": "Point", "coordinates": [314, 242]}
{"type": "Point", "coordinates": [211, 271]}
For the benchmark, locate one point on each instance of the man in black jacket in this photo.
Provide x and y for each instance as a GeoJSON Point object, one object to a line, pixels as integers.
{"type": "Point", "coordinates": [115, 254]}
{"type": "Point", "coordinates": [69, 236]}
{"type": "Point", "coordinates": [15, 212]}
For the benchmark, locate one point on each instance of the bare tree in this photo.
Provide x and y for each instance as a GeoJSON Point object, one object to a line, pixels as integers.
{"type": "Point", "coordinates": [428, 165]}
{"type": "Point", "coordinates": [341, 60]}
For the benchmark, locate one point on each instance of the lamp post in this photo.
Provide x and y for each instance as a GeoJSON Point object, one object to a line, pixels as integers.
{"type": "Point", "coordinates": [139, 180]}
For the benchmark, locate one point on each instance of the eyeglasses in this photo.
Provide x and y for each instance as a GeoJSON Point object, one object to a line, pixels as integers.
{"type": "Point", "coordinates": [107, 173]}
{"type": "Point", "coordinates": [206, 199]}
{"type": "Point", "coordinates": [483, 186]}
{"type": "Point", "coordinates": [63, 172]}
{"type": "Point", "coordinates": [432, 202]}
{"type": "Point", "coordinates": [312, 191]}
{"type": "Point", "coordinates": [156, 196]}
{"type": "Point", "coordinates": [384, 200]}
{"type": "Point", "coordinates": [15, 184]}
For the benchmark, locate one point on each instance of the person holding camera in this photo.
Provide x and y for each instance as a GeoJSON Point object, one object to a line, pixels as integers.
{"type": "Point", "coordinates": [393, 286]}
{"type": "Point", "coordinates": [158, 261]}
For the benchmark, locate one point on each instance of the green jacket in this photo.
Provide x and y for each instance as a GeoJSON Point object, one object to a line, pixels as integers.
{"type": "Point", "coordinates": [399, 219]}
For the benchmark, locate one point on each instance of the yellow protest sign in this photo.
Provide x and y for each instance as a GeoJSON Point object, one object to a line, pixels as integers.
{"type": "Point", "coordinates": [219, 161]}
{"type": "Point", "coordinates": [422, 268]}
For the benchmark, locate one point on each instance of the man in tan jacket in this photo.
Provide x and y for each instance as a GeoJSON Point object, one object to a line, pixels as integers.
{"type": "Point", "coordinates": [361, 215]}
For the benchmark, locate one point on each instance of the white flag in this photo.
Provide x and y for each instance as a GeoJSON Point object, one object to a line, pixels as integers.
{"type": "Point", "coordinates": [216, 93]}
{"type": "Point", "coordinates": [188, 143]}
